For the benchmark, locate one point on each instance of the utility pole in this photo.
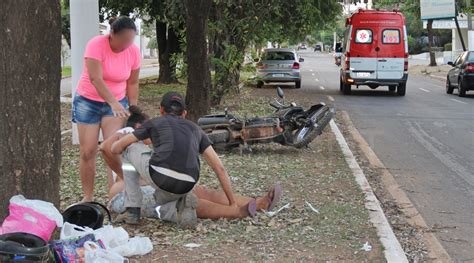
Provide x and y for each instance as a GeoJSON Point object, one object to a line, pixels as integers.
{"type": "Point", "coordinates": [84, 26]}
{"type": "Point", "coordinates": [470, 31]}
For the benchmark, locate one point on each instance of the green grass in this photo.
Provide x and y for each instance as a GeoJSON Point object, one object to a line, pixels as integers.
{"type": "Point", "coordinates": [150, 89]}
{"type": "Point", "coordinates": [66, 72]}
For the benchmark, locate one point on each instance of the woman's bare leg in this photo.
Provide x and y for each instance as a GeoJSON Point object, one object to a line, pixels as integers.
{"type": "Point", "coordinates": [220, 197]}
{"type": "Point", "coordinates": [116, 188]}
{"type": "Point", "coordinates": [119, 186]}
{"type": "Point", "coordinates": [88, 138]}
{"type": "Point", "coordinates": [109, 126]}
{"type": "Point", "coordinates": [210, 210]}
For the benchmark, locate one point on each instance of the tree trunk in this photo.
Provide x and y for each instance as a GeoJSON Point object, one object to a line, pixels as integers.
{"type": "Point", "coordinates": [429, 27]}
{"type": "Point", "coordinates": [168, 44]}
{"type": "Point", "coordinates": [30, 75]}
{"type": "Point", "coordinates": [199, 75]}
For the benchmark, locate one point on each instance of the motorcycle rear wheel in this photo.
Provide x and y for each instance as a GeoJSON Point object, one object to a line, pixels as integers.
{"type": "Point", "coordinates": [219, 136]}
{"type": "Point", "coordinates": [306, 134]}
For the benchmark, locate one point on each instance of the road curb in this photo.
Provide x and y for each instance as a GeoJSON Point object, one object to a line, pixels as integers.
{"type": "Point", "coordinates": [436, 252]}
{"type": "Point", "coordinates": [393, 251]}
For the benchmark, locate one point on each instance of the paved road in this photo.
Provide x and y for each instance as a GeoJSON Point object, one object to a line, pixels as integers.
{"type": "Point", "coordinates": [144, 73]}
{"type": "Point", "coordinates": [426, 140]}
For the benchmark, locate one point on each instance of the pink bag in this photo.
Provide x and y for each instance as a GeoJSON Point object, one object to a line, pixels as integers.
{"type": "Point", "coordinates": [23, 218]}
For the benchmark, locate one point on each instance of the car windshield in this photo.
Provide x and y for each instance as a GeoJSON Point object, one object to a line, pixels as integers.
{"type": "Point", "coordinates": [278, 55]}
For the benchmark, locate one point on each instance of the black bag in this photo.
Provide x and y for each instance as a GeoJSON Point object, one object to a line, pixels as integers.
{"type": "Point", "coordinates": [88, 214]}
{"type": "Point", "coordinates": [24, 247]}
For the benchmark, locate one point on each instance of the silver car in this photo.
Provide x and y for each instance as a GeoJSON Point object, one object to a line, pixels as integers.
{"type": "Point", "coordinates": [279, 65]}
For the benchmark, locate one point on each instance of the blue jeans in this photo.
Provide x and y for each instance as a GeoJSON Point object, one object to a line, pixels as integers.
{"type": "Point", "coordinates": [86, 111]}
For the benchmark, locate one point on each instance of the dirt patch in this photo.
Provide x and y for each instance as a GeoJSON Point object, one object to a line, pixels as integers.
{"type": "Point", "coordinates": [318, 175]}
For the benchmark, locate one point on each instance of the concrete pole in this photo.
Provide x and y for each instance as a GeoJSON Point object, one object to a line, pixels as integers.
{"type": "Point", "coordinates": [84, 26]}
{"type": "Point", "coordinates": [470, 30]}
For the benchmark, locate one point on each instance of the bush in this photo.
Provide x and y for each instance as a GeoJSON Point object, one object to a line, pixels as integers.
{"type": "Point", "coordinates": [448, 47]}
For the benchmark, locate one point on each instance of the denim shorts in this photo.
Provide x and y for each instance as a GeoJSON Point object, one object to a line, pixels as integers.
{"type": "Point", "coordinates": [86, 111]}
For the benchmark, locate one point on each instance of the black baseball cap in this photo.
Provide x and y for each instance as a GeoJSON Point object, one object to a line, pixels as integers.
{"type": "Point", "coordinates": [173, 102]}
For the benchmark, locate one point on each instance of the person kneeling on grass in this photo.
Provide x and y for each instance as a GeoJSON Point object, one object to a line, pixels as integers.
{"type": "Point", "coordinates": [173, 167]}
{"type": "Point", "coordinates": [134, 121]}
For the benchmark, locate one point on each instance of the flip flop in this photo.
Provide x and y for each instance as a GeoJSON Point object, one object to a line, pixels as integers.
{"type": "Point", "coordinates": [276, 196]}
{"type": "Point", "coordinates": [252, 208]}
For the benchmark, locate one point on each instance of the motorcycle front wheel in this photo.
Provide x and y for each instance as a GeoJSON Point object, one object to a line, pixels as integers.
{"type": "Point", "coordinates": [306, 134]}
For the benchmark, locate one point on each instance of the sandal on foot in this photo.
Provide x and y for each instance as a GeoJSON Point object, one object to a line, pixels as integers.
{"type": "Point", "coordinates": [252, 208]}
{"type": "Point", "coordinates": [276, 189]}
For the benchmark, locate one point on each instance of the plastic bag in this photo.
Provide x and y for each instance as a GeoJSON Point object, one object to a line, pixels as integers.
{"type": "Point", "coordinates": [42, 207]}
{"type": "Point", "coordinates": [96, 254]}
{"type": "Point", "coordinates": [136, 246]}
{"type": "Point", "coordinates": [72, 250]}
{"type": "Point", "coordinates": [114, 239]}
{"type": "Point", "coordinates": [72, 231]}
{"type": "Point", "coordinates": [35, 217]}
{"type": "Point", "coordinates": [112, 236]}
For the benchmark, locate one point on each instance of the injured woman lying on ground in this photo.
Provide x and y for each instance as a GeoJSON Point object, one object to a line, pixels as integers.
{"type": "Point", "coordinates": [163, 182]}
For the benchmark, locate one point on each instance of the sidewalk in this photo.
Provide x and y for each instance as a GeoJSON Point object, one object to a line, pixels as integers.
{"type": "Point", "coordinates": [437, 72]}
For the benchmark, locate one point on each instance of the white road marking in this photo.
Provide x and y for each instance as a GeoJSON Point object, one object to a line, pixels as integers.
{"type": "Point", "coordinates": [312, 74]}
{"type": "Point", "coordinates": [311, 70]}
{"type": "Point", "coordinates": [316, 79]}
{"type": "Point", "coordinates": [425, 90]}
{"type": "Point", "coordinates": [459, 101]}
{"type": "Point", "coordinates": [330, 98]}
{"type": "Point", "coordinates": [321, 87]}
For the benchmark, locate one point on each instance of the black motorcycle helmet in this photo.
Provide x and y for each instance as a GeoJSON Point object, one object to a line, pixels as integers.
{"type": "Point", "coordinates": [23, 247]}
{"type": "Point", "coordinates": [87, 214]}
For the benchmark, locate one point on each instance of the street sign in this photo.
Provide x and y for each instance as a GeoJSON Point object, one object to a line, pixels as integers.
{"type": "Point", "coordinates": [436, 9]}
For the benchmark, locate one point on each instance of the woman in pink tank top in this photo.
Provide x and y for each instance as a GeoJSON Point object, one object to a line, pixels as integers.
{"type": "Point", "coordinates": [108, 85]}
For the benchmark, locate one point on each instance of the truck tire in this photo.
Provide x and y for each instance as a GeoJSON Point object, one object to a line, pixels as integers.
{"type": "Point", "coordinates": [346, 88]}
{"type": "Point", "coordinates": [260, 84]}
{"type": "Point", "coordinates": [401, 89]}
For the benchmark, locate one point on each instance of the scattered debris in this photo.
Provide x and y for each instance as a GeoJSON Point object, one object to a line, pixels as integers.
{"type": "Point", "coordinates": [367, 247]}
{"type": "Point", "coordinates": [271, 214]}
{"type": "Point", "coordinates": [192, 245]}
{"type": "Point", "coordinates": [312, 207]}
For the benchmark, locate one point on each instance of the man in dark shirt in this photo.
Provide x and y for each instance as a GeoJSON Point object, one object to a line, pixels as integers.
{"type": "Point", "coordinates": [172, 168]}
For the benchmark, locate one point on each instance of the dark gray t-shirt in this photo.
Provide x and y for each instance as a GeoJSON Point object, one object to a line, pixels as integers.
{"type": "Point", "coordinates": [177, 143]}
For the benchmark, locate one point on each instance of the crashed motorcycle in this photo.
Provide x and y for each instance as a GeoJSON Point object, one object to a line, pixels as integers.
{"type": "Point", "coordinates": [289, 125]}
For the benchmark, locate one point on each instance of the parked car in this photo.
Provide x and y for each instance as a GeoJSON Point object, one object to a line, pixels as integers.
{"type": "Point", "coordinates": [279, 65]}
{"type": "Point", "coordinates": [302, 47]}
{"type": "Point", "coordinates": [318, 48]}
{"type": "Point", "coordinates": [375, 51]}
{"type": "Point", "coordinates": [461, 76]}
